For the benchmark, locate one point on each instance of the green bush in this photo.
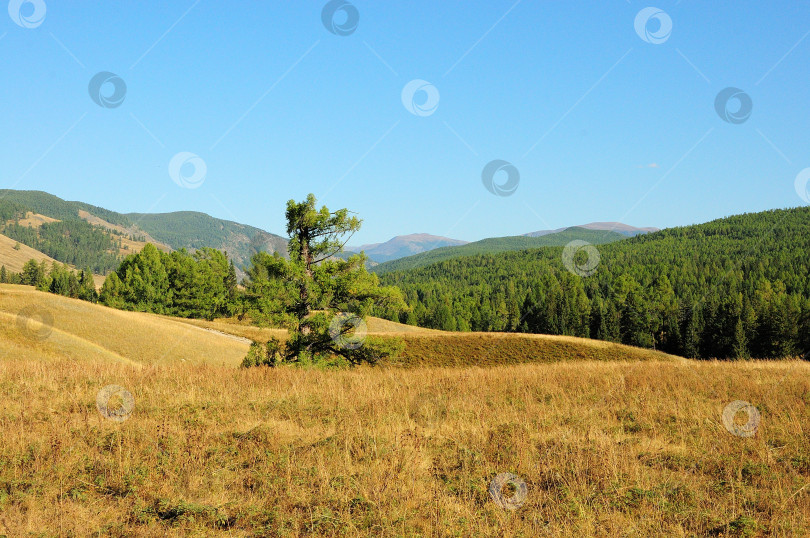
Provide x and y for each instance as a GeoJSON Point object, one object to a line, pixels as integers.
{"type": "Point", "coordinates": [260, 354]}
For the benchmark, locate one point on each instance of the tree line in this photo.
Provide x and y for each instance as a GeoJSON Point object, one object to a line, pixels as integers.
{"type": "Point", "coordinates": [732, 288]}
{"type": "Point", "coordinates": [55, 277]}
{"type": "Point", "coordinates": [198, 285]}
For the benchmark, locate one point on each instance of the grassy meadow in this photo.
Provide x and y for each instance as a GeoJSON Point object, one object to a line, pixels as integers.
{"type": "Point", "coordinates": [609, 442]}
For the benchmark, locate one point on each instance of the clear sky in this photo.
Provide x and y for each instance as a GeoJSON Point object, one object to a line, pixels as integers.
{"type": "Point", "coordinates": [601, 121]}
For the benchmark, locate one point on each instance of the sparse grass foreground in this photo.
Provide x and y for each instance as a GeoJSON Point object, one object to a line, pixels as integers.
{"type": "Point", "coordinates": [604, 448]}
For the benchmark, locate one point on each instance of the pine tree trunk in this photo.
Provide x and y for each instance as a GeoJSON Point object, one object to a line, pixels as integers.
{"type": "Point", "coordinates": [305, 306]}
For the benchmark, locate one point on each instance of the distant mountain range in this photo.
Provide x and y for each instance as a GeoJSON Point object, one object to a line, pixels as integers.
{"type": "Point", "coordinates": [405, 245]}
{"type": "Point", "coordinates": [618, 227]}
{"type": "Point", "coordinates": [193, 230]}
{"type": "Point", "coordinates": [494, 245]}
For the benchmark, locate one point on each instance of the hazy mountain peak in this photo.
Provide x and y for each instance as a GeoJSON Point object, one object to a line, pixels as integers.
{"type": "Point", "coordinates": [405, 245]}
{"type": "Point", "coordinates": [618, 227]}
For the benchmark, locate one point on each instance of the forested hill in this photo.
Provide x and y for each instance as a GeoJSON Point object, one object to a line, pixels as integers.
{"type": "Point", "coordinates": [63, 235]}
{"type": "Point", "coordinates": [193, 230]}
{"type": "Point", "coordinates": [81, 240]}
{"type": "Point", "coordinates": [733, 287]}
{"type": "Point", "coordinates": [494, 245]}
{"type": "Point", "coordinates": [56, 208]}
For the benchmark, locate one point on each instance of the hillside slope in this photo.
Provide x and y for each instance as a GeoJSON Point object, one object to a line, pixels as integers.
{"type": "Point", "coordinates": [47, 204]}
{"type": "Point", "coordinates": [429, 347]}
{"type": "Point", "coordinates": [14, 259]}
{"type": "Point", "coordinates": [183, 229]}
{"type": "Point", "coordinates": [39, 325]}
{"type": "Point", "coordinates": [192, 230]}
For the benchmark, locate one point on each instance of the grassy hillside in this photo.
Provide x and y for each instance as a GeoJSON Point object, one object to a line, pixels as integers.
{"type": "Point", "coordinates": [14, 259]}
{"type": "Point", "coordinates": [609, 440]}
{"type": "Point", "coordinates": [495, 245]}
{"type": "Point", "coordinates": [126, 234]}
{"type": "Point", "coordinates": [146, 339]}
{"type": "Point", "coordinates": [605, 449]}
{"type": "Point", "coordinates": [428, 347]}
{"type": "Point", "coordinates": [81, 331]}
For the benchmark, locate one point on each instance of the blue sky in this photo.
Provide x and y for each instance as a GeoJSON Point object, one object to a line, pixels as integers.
{"type": "Point", "coordinates": [599, 123]}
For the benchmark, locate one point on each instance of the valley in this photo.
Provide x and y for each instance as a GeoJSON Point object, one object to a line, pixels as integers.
{"type": "Point", "coordinates": [413, 269]}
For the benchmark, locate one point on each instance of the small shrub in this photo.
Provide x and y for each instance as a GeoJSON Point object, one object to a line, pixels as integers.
{"type": "Point", "coordinates": [268, 354]}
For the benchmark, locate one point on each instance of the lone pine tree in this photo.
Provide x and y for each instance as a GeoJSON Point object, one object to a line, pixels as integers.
{"type": "Point", "coordinates": [321, 298]}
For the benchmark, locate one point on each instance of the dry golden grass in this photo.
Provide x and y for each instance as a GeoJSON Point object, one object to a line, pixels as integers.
{"type": "Point", "coordinates": [130, 246]}
{"type": "Point", "coordinates": [15, 259]}
{"type": "Point", "coordinates": [606, 449]}
{"type": "Point", "coordinates": [236, 328]}
{"type": "Point", "coordinates": [244, 329]}
{"type": "Point", "coordinates": [429, 347]}
{"type": "Point", "coordinates": [498, 349]}
{"type": "Point", "coordinates": [81, 331]}
{"type": "Point", "coordinates": [35, 220]}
